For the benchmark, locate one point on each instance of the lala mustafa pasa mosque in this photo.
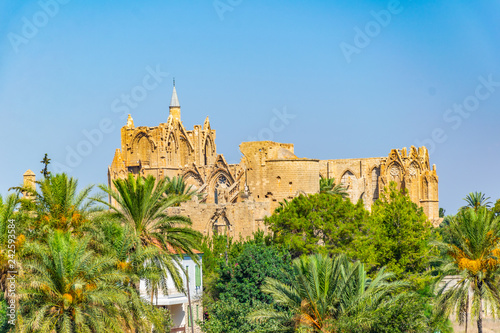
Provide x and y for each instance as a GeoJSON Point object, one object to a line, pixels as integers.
{"type": "Point", "coordinates": [237, 197]}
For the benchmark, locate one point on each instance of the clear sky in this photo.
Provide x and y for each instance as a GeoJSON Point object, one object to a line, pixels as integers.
{"type": "Point", "coordinates": [349, 78]}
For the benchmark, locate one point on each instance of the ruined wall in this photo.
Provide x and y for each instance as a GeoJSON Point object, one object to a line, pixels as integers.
{"type": "Point", "coordinates": [365, 178]}
{"type": "Point", "coordinates": [269, 172]}
{"type": "Point", "coordinates": [236, 219]}
{"type": "Point", "coordinates": [359, 176]}
{"type": "Point", "coordinates": [274, 173]}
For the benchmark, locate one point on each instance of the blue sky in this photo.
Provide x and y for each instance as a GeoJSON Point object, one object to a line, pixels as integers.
{"type": "Point", "coordinates": [427, 72]}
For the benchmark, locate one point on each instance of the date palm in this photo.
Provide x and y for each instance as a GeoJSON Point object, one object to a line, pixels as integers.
{"type": "Point", "coordinates": [7, 209]}
{"type": "Point", "coordinates": [178, 186]}
{"type": "Point", "coordinates": [329, 186]}
{"type": "Point", "coordinates": [141, 204]}
{"type": "Point", "coordinates": [67, 288]}
{"type": "Point", "coordinates": [121, 243]}
{"type": "Point", "coordinates": [475, 258]}
{"type": "Point", "coordinates": [57, 205]}
{"type": "Point", "coordinates": [476, 200]}
{"type": "Point", "coordinates": [330, 295]}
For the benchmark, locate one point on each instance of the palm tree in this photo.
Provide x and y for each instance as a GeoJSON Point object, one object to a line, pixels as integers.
{"type": "Point", "coordinates": [330, 295]}
{"type": "Point", "coordinates": [121, 243]}
{"type": "Point", "coordinates": [142, 205]}
{"type": "Point", "coordinates": [7, 210]}
{"type": "Point", "coordinates": [177, 186]}
{"type": "Point", "coordinates": [58, 206]}
{"type": "Point", "coordinates": [67, 288]}
{"type": "Point", "coordinates": [475, 258]}
{"type": "Point", "coordinates": [282, 205]}
{"type": "Point", "coordinates": [328, 186]}
{"type": "Point", "coordinates": [476, 200]}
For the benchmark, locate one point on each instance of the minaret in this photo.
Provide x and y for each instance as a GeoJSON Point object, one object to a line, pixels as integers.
{"type": "Point", "coordinates": [175, 108]}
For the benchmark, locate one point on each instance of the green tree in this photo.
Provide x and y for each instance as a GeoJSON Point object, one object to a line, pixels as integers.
{"type": "Point", "coordinates": [141, 204]}
{"type": "Point", "coordinates": [216, 250]}
{"type": "Point", "coordinates": [120, 243]}
{"type": "Point", "coordinates": [45, 171]}
{"type": "Point", "coordinates": [244, 274]}
{"type": "Point", "coordinates": [235, 288]}
{"type": "Point", "coordinates": [319, 223]}
{"type": "Point", "coordinates": [57, 205]}
{"type": "Point", "coordinates": [4, 325]}
{"type": "Point", "coordinates": [7, 212]}
{"type": "Point", "coordinates": [67, 288]}
{"type": "Point", "coordinates": [330, 295]}
{"type": "Point", "coordinates": [475, 258]}
{"type": "Point", "coordinates": [476, 200]}
{"type": "Point", "coordinates": [327, 185]}
{"type": "Point", "coordinates": [414, 314]}
{"type": "Point", "coordinates": [496, 208]}
{"type": "Point", "coordinates": [230, 316]}
{"type": "Point", "coordinates": [178, 186]}
{"type": "Point", "coordinates": [399, 235]}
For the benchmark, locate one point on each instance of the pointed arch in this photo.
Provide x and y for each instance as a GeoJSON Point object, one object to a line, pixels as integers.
{"type": "Point", "coordinates": [347, 178]}
{"type": "Point", "coordinates": [394, 173]}
{"type": "Point", "coordinates": [414, 169]}
{"type": "Point", "coordinates": [172, 149]}
{"type": "Point", "coordinates": [219, 223]}
{"type": "Point", "coordinates": [140, 135]}
{"type": "Point", "coordinates": [191, 177]}
{"type": "Point", "coordinates": [220, 183]}
{"type": "Point", "coordinates": [209, 150]}
{"type": "Point", "coordinates": [425, 185]}
{"type": "Point", "coordinates": [375, 174]}
{"type": "Point", "coordinates": [142, 147]}
{"type": "Point", "coordinates": [184, 151]}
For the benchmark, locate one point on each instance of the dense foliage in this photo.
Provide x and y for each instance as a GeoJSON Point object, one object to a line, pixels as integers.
{"type": "Point", "coordinates": [80, 266]}
{"type": "Point", "coordinates": [243, 275]}
{"type": "Point", "coordinates": [475, 258]}
{"type": "Point", "coordinates": [331, 295]}
{"type": "Point", "coordinates": [398, 237]}
{"type": "Point", "coordinates": [3, 315]}
{"type": "Point", "coordinates": [228, 315]}
{"type": "Point", "coordinates": [327, 265]}
{"type": "Point", "coordinates": [320, 223]}
{"type": "Point", "coordinates": [233, 288]}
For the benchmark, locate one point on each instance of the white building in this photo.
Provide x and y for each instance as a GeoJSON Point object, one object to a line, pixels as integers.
{"type": "Point", "coordinates": [177, 302]}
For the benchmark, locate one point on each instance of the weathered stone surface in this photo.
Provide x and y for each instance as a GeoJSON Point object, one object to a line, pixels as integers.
{"type": "Point", "coordinates": [238, 196]}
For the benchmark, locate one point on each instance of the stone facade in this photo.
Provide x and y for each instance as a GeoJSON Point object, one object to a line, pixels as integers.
{"type": "Point", "coordinates": [237, 197]}
{"type": "Point", "coordinates": [364, 178]}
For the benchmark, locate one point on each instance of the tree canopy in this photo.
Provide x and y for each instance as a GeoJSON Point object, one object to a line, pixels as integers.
{"type": "Point", "coordinates": [399, 235]}
{"type": "Point", "coordinates": [319, 223]}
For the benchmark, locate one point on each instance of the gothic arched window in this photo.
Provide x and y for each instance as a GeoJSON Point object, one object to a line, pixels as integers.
{"type": "Point", "coordinates": [375, 175]}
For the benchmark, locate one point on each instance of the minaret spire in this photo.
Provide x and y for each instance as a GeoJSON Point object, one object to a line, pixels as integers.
{"type": "Point", "coordinates": [175, 107]}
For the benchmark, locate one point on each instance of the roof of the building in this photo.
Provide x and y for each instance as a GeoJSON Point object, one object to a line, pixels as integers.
{"type": "Point", "coordinates": [174, 102]}
{"type": "Point", "coordinates": [171, 249]}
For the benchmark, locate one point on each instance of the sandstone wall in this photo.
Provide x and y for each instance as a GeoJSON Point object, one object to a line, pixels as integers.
{"type": "Point", "coordinates": [239, 219]}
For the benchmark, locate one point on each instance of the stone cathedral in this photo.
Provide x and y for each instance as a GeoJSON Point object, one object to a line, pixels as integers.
{"type": "Point", "coordinates": [237, 197]}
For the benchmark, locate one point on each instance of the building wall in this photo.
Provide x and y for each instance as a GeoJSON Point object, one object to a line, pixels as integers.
{"type": "Point", "coordinates": [240, 219]}
{"type": "Point", "coordinates": [365, 178]}
{"type": "Point", "coordinates": [236, 197]}
{"type": "Point", "coordinates": [176, 301]}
